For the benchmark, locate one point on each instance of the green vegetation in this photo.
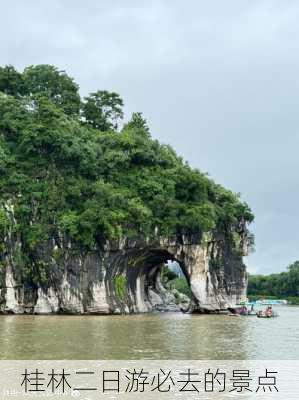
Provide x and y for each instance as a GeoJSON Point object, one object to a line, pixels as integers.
{"type": "Point", "coordinates": [283, 286]}
{"type": "Point", "coordinates": [181, 285]}
{"type": "Point", "coordinates": [71, 169]}
{"type": "Point", "coordinates": [171, 281]}
{"type": "Point", "coordinates": [167, 274]}
{"type": "Point", "coordinates": [120, 283]}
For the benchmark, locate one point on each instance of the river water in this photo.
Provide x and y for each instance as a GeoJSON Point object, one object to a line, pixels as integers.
{"type": "Point", "coordinates": [151, 336]}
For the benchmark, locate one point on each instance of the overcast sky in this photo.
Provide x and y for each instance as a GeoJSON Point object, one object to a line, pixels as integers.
{"type": "Point", "coordinates": [218, 80]}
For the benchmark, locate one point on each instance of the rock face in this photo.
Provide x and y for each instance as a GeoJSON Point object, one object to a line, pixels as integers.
{"type": "Point", "coordinates": [120, 277]}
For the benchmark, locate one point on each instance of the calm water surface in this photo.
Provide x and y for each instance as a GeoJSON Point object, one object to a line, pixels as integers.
{"type": "Point", "coordinates": [153, 336]}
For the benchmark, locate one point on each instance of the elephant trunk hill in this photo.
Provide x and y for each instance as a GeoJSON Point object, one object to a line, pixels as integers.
{"type": "Point", "coordinates": [91, 208]}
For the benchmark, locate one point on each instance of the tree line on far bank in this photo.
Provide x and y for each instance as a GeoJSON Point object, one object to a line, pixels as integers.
{"type": "Point", "coordinates": [284, 285]}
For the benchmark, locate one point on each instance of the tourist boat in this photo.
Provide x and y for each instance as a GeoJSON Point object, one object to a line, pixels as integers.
{"type": "Point", "coordinates": [263, 314]}
{"type": "Point", "coordinates": [269, 302]}
{"type": "Point", "coordinates": [264, 302]}
{"type": "Point", "coordinates": [241, 311]}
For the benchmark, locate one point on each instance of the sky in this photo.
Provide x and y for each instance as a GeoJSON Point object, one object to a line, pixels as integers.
{"type": "Point", "coordinates": [217, 80]}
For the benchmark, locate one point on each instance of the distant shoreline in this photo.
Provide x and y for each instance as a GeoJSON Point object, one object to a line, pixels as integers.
{"type": "Point", "coordinates": [291, 300]}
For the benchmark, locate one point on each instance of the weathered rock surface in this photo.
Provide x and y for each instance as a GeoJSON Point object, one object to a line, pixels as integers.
{"type": "Point", "coordinates": [120, 277]}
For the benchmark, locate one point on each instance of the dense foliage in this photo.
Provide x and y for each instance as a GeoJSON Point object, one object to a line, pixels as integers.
{"type": "Point", "coordinates": [283, 285]}
{"type": "Point", "coordinates": [68, 167]}
{"type": "Point", "coordinates": [172, 280]}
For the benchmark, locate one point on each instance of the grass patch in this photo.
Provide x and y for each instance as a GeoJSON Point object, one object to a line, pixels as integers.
{"type": "Point", "coordinates": [120, 283]}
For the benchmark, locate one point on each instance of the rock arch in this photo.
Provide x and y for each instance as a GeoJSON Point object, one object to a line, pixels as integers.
{"type": "Point", "coordinates": [213, 268]}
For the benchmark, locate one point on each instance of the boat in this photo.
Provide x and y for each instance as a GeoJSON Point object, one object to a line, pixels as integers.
{"type": "Point", "coordinates": [242, 311]}
{"type": "Point", "coordinates": [269, 302]}
{"type": "Point", "coordinates": [264, 302]}
{"type": "Point", "coordinates": [264, 314]}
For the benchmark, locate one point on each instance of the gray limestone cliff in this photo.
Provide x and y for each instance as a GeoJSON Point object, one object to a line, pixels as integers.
{"type": "Point", "coordinates": [122, 276]}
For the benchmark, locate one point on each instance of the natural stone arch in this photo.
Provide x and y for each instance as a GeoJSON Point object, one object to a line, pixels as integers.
{"type": "Point", "coordinates": [213, 269]}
